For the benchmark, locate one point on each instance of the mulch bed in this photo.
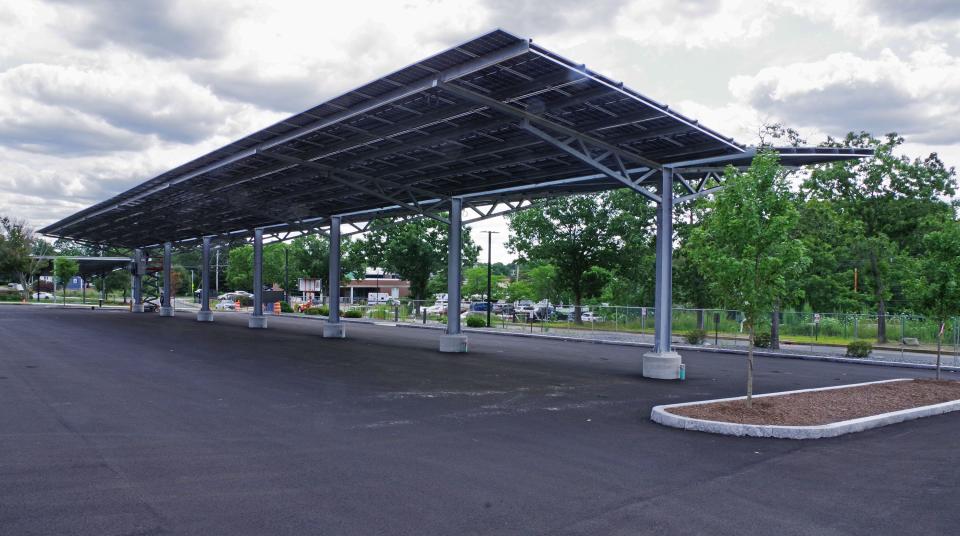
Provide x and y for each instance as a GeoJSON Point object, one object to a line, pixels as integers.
{"type": "Point", "coordinates": [824, 407]}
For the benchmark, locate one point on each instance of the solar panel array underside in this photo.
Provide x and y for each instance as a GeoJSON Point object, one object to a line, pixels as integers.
{"type": "Point", "coordinates": [411, 136]}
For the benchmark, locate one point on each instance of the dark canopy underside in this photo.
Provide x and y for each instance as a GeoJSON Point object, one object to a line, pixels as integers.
{"type": "Point", "coordinates": [461, 123]}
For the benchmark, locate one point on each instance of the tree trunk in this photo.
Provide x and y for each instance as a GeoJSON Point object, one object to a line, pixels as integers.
{"type": "Point", "coordinates": [881, 304]}
{"type": "Point", "coordinates": [775, 326]}
{"type": "Point", "coordinates": [577, 310]}
{"type": "Point", "coordinates": [939, 346]}
{"type": "Point", "coordinates": [700, 319]}
{"type": "Point", "coordinates": [750, 369]}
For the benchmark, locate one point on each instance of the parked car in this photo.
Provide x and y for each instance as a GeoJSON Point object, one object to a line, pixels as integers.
{"type": "Point", "coordinates": [234, 295]}
{"type": "Point", "coordinates": [590, 316]}
{"type": "Point", "coordinates": [44, 296]}
{"type": "Point", "coordinates": [225, 305]}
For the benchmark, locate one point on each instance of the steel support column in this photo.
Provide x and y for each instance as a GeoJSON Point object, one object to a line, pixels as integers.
{"type": "Point", "coordinates": [663, 362]}
{"type": "Point", "coordinates": [136, 281]}
{"type": "Point", "coordinates": [333, 328]}
{"type": "Point", "coordinates": [166, 304]}
{"type": "Point", "coordinates": [257, 320]}
{"type": "Point", "coordinates": [205, 314]}
{"type": "Point", "coordinates": [454, 341]}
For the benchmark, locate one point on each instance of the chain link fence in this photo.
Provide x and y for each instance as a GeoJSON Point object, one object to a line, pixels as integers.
{"type": "Point", "coordinates": [722, 328]}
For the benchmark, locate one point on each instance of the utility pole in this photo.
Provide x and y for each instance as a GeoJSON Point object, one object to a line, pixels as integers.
{"type": "Point", "coordinates": [217, 272]}
{"type": "Point", "coordinates": [286, 274]}
{"type": "Point", "coordinates": [489, 273]}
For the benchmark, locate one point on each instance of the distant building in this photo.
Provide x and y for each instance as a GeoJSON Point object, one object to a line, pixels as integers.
{"type": "Point", "coordinates": [374, 280]}
{"type": "Point", "coordinates": [357, 290]}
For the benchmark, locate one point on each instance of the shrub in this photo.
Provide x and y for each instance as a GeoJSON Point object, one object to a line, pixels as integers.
{"type": "Point", "coordinates": [245, 301]}
{"type": "Point", "coordinates": [696, 336]}
{"type": "Point", "coordinates": [323, 310]}
{"type": "Point", "coordinates": [285, 307]}
{"type": "Point", "coordinates": [859, 348]}
{"type": "Point", "coordinates": [353, 313]}
{"type": "Point", "coordinates": [476, 321]}
{"type": "Point", "coordinates": [761, 340]}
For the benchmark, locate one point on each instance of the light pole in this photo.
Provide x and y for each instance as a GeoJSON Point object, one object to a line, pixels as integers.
{"type": "Point", "coordinates": [286, 274]}
{"type": "Point", "coordinates": [217, 272]}
{"type": "Point", "coordinates": [489, 273]}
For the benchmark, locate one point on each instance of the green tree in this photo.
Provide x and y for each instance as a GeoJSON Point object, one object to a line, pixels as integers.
{"type": "Point", "coordinates": [745, 244]}
{"type": "Point", "coordinates": [475, 282]}
{"type": "Point", "coordinates": [542, 280]}
{"type": "Point", "coordinates": [573, 234]}
{"type": "Point", "coordinates": [17, 242]}
{"type": "Point", "coordinates": [414, 250]}
{"type": "Point", "coordinates": [890, 197]}
{"type": "Point", "coordinates": [64, 269]}
{"type": "Point", "coordinates": [520, 290]}
{"type": "Point", "coordinates": [240, 268]}
{"type": "Point", "coordinates": [310, 258]}
{"type": "Point", "coordinates": [936, 287]}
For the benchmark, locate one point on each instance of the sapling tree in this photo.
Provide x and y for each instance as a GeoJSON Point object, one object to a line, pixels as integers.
{"type": "Point", "coordinates": [936, 287]}
{"type": "Point", "coordinates": [745, 247]}
{"type": "Point", "coordinates": [64, 268]}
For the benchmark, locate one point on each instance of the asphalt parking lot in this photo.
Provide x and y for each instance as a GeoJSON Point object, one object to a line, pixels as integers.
{"type": "Point", "coordinates": [116, 423]}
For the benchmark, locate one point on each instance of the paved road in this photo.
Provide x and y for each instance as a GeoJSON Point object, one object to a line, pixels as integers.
{"type": "Point", "coordinates": [116, 423]}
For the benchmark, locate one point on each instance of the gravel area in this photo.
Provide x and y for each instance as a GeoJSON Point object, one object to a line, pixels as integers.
{"type": "Point", "coordinates": [823, 407]}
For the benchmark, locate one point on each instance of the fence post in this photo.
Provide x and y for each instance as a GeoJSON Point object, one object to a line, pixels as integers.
{"type": "Point", "coordinates": [856, 326]}
{"type": "Point", "coordinates": [901, 327]}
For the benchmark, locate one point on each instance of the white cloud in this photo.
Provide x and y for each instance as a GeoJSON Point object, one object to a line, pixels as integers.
{"type": "Point", "coordinates": [98, 96]}
{"type": "Point", "coordinates": [918, 96]}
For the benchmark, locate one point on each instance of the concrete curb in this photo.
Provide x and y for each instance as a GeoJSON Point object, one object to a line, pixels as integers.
{"type": "Point", "coordinates": [808, 357]}
{"type": "Point", "coordinates": [660, 415]}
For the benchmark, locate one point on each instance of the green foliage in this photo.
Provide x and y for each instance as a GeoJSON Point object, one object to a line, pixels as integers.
{"type": "Point", "coordinates": [892, 201]}
{"type": "Point", "coordinates": [520, 290]}
{"type": "Point", "coordinates": [476, 321]}
{"type": "Point", "coordinates": [695, 336]}
{"type": "Point", "coordinates": [761, 340]}
{"type": "Point", "coordinates": [415, 250]}
{"type": "Point", "coordinates": [859, 348]}
{"type": "Point", "coordinates": [64, 269]}
{"type": "Point", "coordinates": [745, 244]}
{"type": "Point", "coordinates": [285, 307]}
{"type": "Point", "coordinates": [936, 282]}
{"type": "Point", "coordinates": [323, 310]}
{"type": "Point", "coordinates": [475, 282]}
{"type": "Point", "coordinates": [17, 243]}
{"type": "Point", "coordinates": [577, 236]}
{"type": "Point", "coordinates": [353, 313]}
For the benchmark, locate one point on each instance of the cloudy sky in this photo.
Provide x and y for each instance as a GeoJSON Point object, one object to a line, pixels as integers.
{"type": "Point", "coordinates": [97, 96]}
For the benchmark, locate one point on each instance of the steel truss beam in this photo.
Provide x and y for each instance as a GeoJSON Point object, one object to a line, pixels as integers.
{"type": "Point", "coordinates": [542, 122]}
{"type": "Point", "coordinates": [583, 154]}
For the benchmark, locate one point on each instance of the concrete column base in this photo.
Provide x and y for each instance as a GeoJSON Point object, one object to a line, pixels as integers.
{"type": "Point", "coordinates": [334, 331]}
{"type": "Point", "coordinates": [136, 308]}
{"type": "Point", "coordinates": [204, 316]}
{"type": "Point", "coordinates": [661, 365]}
{"type": "Point", "coordinates": [257, 322]}
{"type": "Point", "coordinates": [453, 344]}
{"type": "Point", "coordinates": [166, 311]}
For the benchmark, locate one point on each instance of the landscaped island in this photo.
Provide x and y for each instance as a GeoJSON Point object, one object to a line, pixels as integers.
{"type": "Point", "coordinates": [814, 413]}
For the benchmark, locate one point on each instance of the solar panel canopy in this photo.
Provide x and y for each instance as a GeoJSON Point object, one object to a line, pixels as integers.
{"type": "Point", "coordinates": [462, 123]}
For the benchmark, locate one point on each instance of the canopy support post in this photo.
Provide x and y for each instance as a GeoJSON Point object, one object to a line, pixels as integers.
{"type": "Point", "coordinates": [334, 328]}
{"type": "Point", "coordinates": [205, 314]}
{"type": "Point", "coordinates": [454, 341]}
{"type": "Point", "coordinates": [257, 320]}
{"type": "Point", "coordinates": [136, 281]}
{"type": "Point", "coordinates": [166, 304]}
{"type": "Point", "coordinates": [663, 363]}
